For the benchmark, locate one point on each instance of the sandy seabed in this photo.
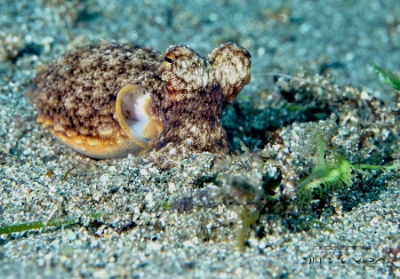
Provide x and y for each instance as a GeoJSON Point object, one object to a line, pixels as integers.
{"type": "Point", "coordinates": [187, 222]}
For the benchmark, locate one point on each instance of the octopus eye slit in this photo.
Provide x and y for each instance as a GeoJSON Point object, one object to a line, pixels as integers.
{"type": "Point", "coordinates": [168, 60]}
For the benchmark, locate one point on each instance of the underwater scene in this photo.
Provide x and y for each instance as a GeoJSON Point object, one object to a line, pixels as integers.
{"type": "Point", "coordinates": [199, 139]}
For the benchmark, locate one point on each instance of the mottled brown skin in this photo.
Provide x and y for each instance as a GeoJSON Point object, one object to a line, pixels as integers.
{"type": "Point", "coordinates": [75, 95]}
{"type": "Point", "coordinates": [197, 93]}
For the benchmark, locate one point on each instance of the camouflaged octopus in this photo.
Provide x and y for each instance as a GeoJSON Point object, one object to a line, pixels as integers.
{"type": "Point", "coordinates": [109, 100]}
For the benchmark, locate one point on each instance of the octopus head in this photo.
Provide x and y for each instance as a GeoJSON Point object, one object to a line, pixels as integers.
{"type": "Point", "coordinates": [186, 74]}
{"type": "Point", "coordinates": [230, 65]}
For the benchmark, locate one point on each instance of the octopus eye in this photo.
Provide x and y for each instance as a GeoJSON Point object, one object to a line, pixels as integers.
{"type": "Point", "coordinates": [168, 62]}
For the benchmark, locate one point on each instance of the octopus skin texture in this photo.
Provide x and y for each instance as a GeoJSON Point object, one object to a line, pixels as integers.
{"type": "Point", "coordinates": [110, 100]}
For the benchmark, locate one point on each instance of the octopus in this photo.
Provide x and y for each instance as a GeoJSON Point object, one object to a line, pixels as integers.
{"type": "Point", "coordinates": [109, 100]}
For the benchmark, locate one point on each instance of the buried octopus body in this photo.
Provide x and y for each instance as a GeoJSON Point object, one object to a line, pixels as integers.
{"type": "Point", "coordinates": [110, 100]}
